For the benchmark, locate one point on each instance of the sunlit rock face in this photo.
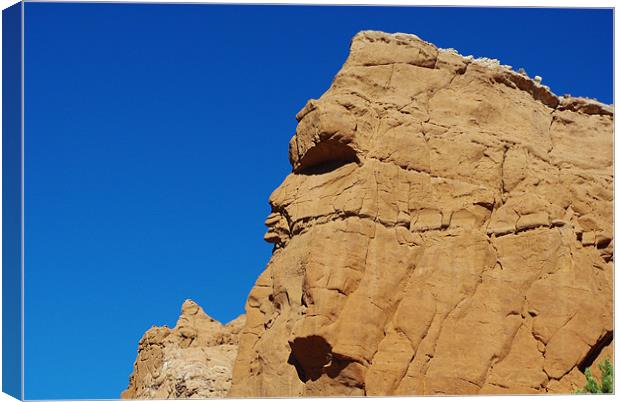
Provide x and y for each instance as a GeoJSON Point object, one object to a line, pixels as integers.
{"type": "Point", "coordinates": [192, 360]}
{"type": "Point", "coordinates": [446, 229]}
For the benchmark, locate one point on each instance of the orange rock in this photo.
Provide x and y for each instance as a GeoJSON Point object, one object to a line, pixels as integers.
{"type": "Point", "coordinates": [446, 229]}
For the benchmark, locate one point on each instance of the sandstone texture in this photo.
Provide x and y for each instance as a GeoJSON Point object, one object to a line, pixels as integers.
{"type": "Point", "coordinates": [447, 228]}
{"type": "Point", "coordinates": [192, 360]}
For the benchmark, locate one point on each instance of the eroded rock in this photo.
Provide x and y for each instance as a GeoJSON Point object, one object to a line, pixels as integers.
{"type": "Point", "coordinates": [192, 360]}
{"type": "Point", "coordinates": [446, 229]}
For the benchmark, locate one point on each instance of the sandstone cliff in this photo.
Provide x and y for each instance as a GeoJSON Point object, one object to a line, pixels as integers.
{"type": "Point", "coordinates": [192, 360]}
{"type": "Point", "coordinates": [446, 229]}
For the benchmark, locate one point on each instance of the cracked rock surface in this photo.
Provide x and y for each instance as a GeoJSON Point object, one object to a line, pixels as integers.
{"type": "Point", "coordinates": [192, 360]}
{"type": "Point", "coordinates": [446, 229]}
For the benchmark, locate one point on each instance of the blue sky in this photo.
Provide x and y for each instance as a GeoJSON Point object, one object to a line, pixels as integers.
{"type": "Point", "coordinates": [155, 134]}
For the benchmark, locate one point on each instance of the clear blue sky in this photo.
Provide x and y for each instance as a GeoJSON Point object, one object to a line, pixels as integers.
{"type": "Point", "coordinates": [156, 133]}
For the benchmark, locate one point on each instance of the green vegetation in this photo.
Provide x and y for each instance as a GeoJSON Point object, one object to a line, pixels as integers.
{"type": "Point", "coordinates": [606, 386]}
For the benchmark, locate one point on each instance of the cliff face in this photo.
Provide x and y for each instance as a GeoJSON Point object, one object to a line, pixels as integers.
{"type": "Point", "coordinates": [192, 360]}
{"type": "Point", "coordinates": [446, 229]}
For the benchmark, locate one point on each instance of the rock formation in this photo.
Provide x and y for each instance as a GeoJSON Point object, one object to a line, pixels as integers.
{"type": "Point", "coordinates": [192, 360]}
{"type": "Point", "coordinates": [446, 229]}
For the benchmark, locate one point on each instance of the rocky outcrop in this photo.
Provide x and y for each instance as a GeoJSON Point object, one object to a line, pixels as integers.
{"type": "Point", "coordinates": [446, 229]}
{"type": "Point", "coordinates": [192, 360]}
